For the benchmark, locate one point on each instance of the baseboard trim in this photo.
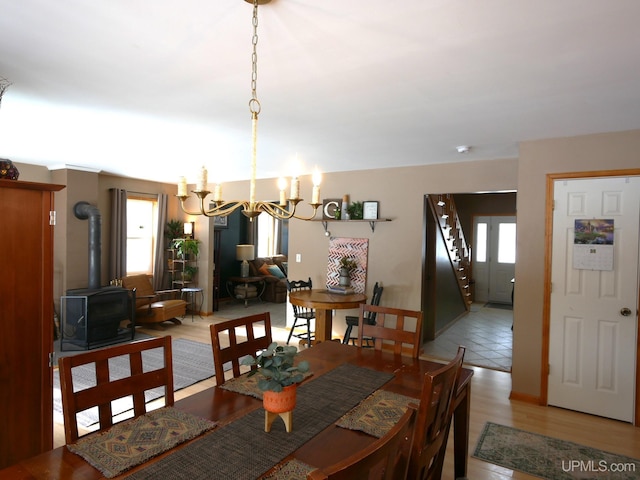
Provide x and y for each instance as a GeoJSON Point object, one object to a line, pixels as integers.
{"type": "Point", "coordinates": [525, 397]}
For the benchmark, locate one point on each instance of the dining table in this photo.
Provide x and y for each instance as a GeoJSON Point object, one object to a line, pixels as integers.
{"type": "Point", "coordinates": [402, 376]}
{"type": "Point", "coordinates": [325, 302]}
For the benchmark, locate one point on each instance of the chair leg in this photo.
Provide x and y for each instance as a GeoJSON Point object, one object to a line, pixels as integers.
{"type": "Point", "coordinates": [347, 335]}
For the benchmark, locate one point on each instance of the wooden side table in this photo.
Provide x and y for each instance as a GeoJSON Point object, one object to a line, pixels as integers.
{"type": "Point", "coordinates": [246, 288]}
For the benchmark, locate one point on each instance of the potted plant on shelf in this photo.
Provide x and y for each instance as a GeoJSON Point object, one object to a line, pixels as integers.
{"type": "Point", "coordinates": [189, 272]}
{"type": "Point", "coordinates": [186, 247]}
{"type": "Point", "coordinates": [355, 210]}
{"type": "Point", "coordinates": [173, 230]}
{"type": "Point", "coordinates": [346, 266]}
{"type": "Point", "coordinates": [281, 378]}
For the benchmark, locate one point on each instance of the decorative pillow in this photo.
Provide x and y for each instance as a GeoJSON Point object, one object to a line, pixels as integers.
{"type": "Point", "coordinates": [275, 271]}
{"type": "Point", "coordinates": [264, 269]}
{"type": "Point", "coordinates": [285, 267]}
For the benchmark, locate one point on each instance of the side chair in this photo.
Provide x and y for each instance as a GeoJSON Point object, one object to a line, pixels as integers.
{"type": "Point", "coordinates": [434, 419]}
{"type": "Point", "coordinates": [386, 458]}
{"type": "Point", "coordinates": [389, 330]}
{"type": "Point", "coordinates": [302, 316]}
{"type": "Point", "coordinates": [244, 339]}
{"type": "Point", "coordinates": [352, 320]}
{"type": "Point", "coordinates": [108, 389]}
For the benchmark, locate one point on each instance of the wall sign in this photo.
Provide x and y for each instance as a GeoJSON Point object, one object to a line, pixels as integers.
{"type": "Point", "coordinates": [593, 244]}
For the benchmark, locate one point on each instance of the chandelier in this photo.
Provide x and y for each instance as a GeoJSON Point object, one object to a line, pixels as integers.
{"type": "Point", "coordinates": [286, 207]}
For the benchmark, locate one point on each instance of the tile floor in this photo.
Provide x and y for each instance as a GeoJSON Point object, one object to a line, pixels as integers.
{"type": "Point", "coordinates": [485, 331]}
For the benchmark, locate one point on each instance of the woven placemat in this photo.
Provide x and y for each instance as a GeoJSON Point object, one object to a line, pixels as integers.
{"type": "Point", "coordinates": [135, 441]}
{"type": "Point", "coordinates": [377, 414]}
{"type": "Point", "coordinates": [237, 450]}
{"type": "Point", "coordinates": [292, 470]}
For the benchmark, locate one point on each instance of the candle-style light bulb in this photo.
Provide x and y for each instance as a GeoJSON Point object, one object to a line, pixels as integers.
{"type": "Point", "coordinates": [282, 186]}
{"type": "Point", "coordinates": [182, 187]}
{"type": "Point", "coordinates": [316, 178]}
{"type": "Point", "coordinates": [202, 180]}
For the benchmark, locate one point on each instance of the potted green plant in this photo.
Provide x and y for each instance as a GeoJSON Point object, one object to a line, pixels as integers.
{"type": "Point", "coordinates": [186, 247]}
{"type": "Point", "coordinates": [346, 266]}
{"type": "Point", "coordinates": [173, 230]}
{"type": "Point", "coordinates": [189, 272]}
{"type": "Point", "coordinates": [355, 210]}
{"type": "Point", "coordinates": [276, 365]}
{"type": "Point", "coordinates": [279, 385]}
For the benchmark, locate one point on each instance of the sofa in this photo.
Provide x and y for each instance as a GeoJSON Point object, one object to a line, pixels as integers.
{"type": "Point", "coordinates": [274, 272]}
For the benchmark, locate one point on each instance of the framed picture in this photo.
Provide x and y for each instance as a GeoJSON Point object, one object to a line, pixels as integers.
{"type": "Point", "coordinates": [370, 210]}
{"type": "Point", "coordinates": [221, 222]}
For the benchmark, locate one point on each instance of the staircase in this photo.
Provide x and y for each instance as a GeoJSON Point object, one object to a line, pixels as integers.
{"type": "Point", "coordinates": [446, 216]}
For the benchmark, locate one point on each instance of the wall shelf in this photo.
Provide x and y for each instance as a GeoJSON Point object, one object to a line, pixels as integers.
{"type": "Point", "coordinates": [372, 223]}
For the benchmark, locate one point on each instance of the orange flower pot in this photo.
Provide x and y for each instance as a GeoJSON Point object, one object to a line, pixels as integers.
{"type": "Point", "coordinates": [280, 402]}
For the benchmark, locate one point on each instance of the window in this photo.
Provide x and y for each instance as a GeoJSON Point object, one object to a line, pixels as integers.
{"type": "Point", "coordinates": [481, 243]}
{"type": "Point", "coordinates": [268, 235]}
{"type": "Point", "coordinates": [142, 221]}
{"type": "Point", "coordinates": [507, 243]}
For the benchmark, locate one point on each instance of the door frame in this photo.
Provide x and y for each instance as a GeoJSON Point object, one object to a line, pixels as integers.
{"type": "Point", "coordinates": [546, 311]}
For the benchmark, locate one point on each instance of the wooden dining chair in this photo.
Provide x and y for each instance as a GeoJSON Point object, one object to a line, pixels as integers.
{"type": "Point", "coordinates": [434, 419]}
{"type": "Point", "coordinates": [302, 316]}
{"type": "Point", "coordinates": [389, 331]}
{"type": "Point", "coordinates": [386, 458]}
{"type": "Point", "coordinates": [352, 321]}
{"type": "Point", "coordinates": [107, 388]}
{"type": "Point", "coordinates": [244, 339]}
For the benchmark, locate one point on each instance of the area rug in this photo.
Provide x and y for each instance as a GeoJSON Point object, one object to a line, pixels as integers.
{"type": "Point", "coordinates": [550, 458]}
{"type": "Point", "coordinates": [192, 363]}
{"type": "Point", "coordinates": [135, 441]}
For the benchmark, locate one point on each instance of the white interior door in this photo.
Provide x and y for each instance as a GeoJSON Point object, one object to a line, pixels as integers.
{"type": "Point", "coordinates": [494, 257]}
{"type": "Point", "coordinates": [593, 312]}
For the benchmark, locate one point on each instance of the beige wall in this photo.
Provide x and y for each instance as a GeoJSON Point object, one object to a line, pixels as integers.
{"type": "Point", "coordinates": [395, 248]}
{"type": "Point", "coordinates": [610, 151]}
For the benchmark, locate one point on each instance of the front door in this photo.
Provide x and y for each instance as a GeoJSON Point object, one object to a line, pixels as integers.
{"type": "Point", "coordinates": [594, 296]}
{"type": "Point", "coordinates": [494, 257]}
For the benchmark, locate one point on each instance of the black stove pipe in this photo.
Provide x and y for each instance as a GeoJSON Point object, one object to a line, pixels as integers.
{"type": "Point", "coordinates": [83, 211]}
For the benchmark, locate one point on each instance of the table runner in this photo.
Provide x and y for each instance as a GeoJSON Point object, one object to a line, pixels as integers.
{"type": "Point", "coordinates": [135, 441]}
{"type": "Point", "coordinates": [243, 450]}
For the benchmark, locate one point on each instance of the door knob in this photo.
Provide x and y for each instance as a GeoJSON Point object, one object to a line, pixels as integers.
{"type": "Point", "coordinates": [625, 312]}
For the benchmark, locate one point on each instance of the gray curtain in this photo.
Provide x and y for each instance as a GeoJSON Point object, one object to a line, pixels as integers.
{"type": "Point", "coordinates": [158, 267]}
{"type": "Point", "coordinates": [118, 249]}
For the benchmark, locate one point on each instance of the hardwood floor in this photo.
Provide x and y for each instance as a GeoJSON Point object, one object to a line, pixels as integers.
{"type": "Point", "coordinates": [489, 402]}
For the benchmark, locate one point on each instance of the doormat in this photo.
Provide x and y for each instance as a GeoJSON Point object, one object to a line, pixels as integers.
{"type": "Point", "coordinates": [550, 458]}
{"type": "Point", "coordinates": [192, 363]}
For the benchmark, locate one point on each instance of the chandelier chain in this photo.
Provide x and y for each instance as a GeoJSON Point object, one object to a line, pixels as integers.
{"type": "Point", "coordinates": [254, 103]}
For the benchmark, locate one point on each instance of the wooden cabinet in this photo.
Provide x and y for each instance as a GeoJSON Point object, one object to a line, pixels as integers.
{"type": "Point", "coordinates": [26, 319]}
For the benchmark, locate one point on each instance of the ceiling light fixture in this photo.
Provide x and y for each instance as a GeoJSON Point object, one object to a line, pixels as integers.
{"type": "Point", "coordinates": [285, 208]}
{"type": "Point", "coordinates": [463, 149]}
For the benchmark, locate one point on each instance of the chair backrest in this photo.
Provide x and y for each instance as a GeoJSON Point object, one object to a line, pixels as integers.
{"type": "Point", "coordinates": [238, 330]}
{"type": "Point", "coordinates": [297, 285]}
{"type": "Point", "coordinates": [143, 287]}
{"type": "Point", "coordinates": [389, 329]}
{"type": "Point", "coordinates": [386, 458]}
{"type": "Point", "coordinates": [433, 420]}
{"type": "Point", "coordinates": [375, 300]}
{"type": "Point", "coordinates": [107, 388]}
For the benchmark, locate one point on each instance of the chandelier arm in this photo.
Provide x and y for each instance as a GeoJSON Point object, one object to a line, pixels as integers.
{"type": "Point", "coordinates": [276, 210]}
{"type": "Point", "coordinates": [182, 198]}
{"type": "Point", "coordinates": [315, 210]}
{"type": "Point", "coordinates": [224, 209]}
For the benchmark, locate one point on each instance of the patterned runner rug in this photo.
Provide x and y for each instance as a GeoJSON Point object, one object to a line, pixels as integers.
{"type": "Point", "coordinates": [192, 363]}
{"type": "Point", "coordinates": [550, 458]}
{"type": "Point", "coordinates": [237, 450]}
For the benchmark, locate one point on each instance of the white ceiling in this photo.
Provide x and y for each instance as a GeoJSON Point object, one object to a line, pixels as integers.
{"type": "Point", "coordinates": [155, 89]}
